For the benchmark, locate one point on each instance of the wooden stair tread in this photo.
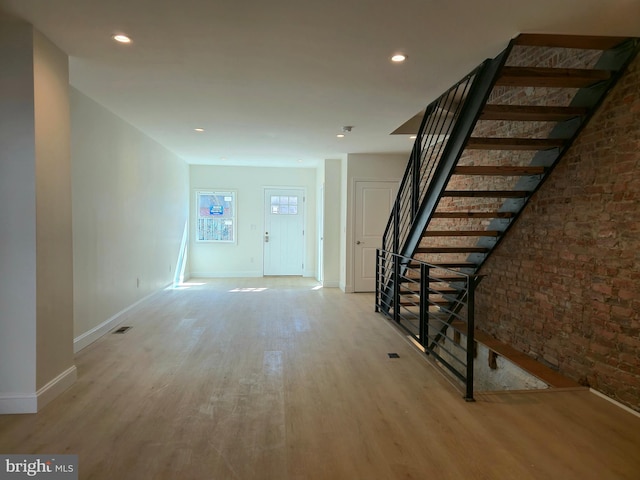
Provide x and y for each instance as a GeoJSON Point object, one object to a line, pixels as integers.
{"type": "Point", "coordinates": [487, 193]}
{"type": "Point", "coordinates": [445, 265]}
{"type": "Point", "coordinates": [531, 113]}
{"type": "Point", "coordinates": [433, 290]}
{"type": "Point", "coordinates": [587, 42]}
{"type": "Point", "coordinates": [499, 170]}
{"type": "Point", "coordinates": [550, 77]}
{"type": "Point", "coordinates": [462, 233]}
{"type": "Point", "coordinates": [443, 279]}
{"type": "Point", "coordinates": [551, 377]}
{"type": "Point", "coordinates": [443, 290]}
{"type": "Point", "coordinates": [452, 250]}
{"type": "Point", "coordinates": [431, 302]}
{"type": "Point", "coordinates": [455, 264]}
{"type": "Point", "coordinates": [486, 143]}
{"type": "Point", "coordinates": [474, 215]}
{"type": "Point", "coordinates": [407, 289]}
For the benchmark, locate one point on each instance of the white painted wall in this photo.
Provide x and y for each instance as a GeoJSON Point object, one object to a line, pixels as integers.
{"type": "Point", "coordinates": [320, 221]}
{"type": "Point", "coordinates": [344, 206]}
{"type": "Point", "coordinates": [245, 258]}
{"type": "Point", "coordinates": [54, 269]}
{"type": "Point", "coordinates": [130, 205]}
{"type": "Point", "coordinates": [332, 235]}
{"type": "Point", "coordinates": [362, 167]}
{"type": "Point", "coordinates": [17, 213]}
{"type": "Point", "coordinates": [36, 284]}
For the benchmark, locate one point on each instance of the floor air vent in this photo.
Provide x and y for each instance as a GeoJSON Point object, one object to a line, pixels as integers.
{"type": "Point", "coordinates": [121, 330]}
{"type": "Point", "coordinates": [393, 355]}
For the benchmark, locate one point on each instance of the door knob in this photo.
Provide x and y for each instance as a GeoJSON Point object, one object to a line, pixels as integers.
{"type": "Point", "coordinates": [359, 242]}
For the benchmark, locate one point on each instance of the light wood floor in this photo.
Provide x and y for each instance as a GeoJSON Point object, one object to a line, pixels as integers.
{"type": "Point", "coordinates": [273, 379]}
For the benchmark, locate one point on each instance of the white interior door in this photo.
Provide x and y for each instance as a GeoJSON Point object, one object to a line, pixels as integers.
{"type": "Point", "coordinates": [374, 201]}
{"type": "Point", "coordinates": [283, 231]}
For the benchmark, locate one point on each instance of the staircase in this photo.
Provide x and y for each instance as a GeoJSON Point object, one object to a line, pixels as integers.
{"type": "Point", "coordinates": [483, 149]}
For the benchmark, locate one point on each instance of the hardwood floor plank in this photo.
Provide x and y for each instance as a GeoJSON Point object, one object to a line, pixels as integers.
{"type": "Point", "coordinates": [278, 379]}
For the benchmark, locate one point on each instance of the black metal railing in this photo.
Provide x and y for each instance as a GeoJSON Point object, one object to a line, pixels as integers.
{"type": "Point", "coordinates": [442, 136]}
{"type": "Point", "coordinates": [435, 306]}
{"type": "Point", "coordinates": [432, 139]}
{"type": "Point", "coordinates": [433, 135]}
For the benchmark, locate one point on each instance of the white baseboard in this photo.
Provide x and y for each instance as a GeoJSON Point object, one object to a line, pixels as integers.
{"type": "Point", "coordinates": [56, 386]}
{"type": "Point", "coordinates": [18, 403]}
{"type": "Point", "coordinates": [32, 402]}
{"type": "Point", "coordinates": [615, 402]}
{"type": "Point", "coordinates": [87, 338]}
{"type": "Point", "coordinates": [331, 284]}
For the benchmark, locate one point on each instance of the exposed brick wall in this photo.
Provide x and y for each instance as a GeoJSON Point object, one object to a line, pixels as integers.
{"type": "Point", "coordinates": [564, 285]}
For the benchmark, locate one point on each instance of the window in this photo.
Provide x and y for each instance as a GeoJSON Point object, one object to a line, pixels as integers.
{"type": "Point", "coordinates": [216, 217]}
{"type": "Point", "coordinates": [281, 205]}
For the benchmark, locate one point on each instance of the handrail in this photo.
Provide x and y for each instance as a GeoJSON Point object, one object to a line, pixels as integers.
{"type": "Point", "coordinates": [433, 135]}
{"type": "Point", "coordinates": [444, 131]}
{"type": "Point", "coordinates": [432, 142]}
{"type": "Point", "coordinates": [437, 311]}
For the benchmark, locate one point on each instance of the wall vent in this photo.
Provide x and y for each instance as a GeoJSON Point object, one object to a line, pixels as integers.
{"type": "Point", "coordinates": [121, 330]}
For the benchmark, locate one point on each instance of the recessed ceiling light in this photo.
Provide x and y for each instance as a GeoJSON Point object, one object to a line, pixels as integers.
{"type": "Point", "coordinates": [340, 135]}
{"type": "Point", "coordinates": [199, 130]}
{"type": "Point", "coordinates": [412, 137]}
{"type": "Point", "coordinates": [121, 38]}
{"type": "Point", "coordinates": [398, 57]}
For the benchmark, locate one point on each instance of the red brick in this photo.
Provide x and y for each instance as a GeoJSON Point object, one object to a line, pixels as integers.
{"type": "Point", "coordinates": [573, 255]}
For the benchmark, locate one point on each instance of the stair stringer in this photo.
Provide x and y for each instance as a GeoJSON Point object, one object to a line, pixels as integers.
{"type": "Point", "coordinates": [616, 59]}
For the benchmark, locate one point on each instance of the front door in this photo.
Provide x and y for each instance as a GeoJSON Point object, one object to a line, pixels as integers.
{"type": "Point", "coordinates": [374, 201]}
{"type": "Point", "coordinates": [283, 231]}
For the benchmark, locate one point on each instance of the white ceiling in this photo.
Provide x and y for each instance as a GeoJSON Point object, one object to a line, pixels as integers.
{"type": "Point", "coordinates": [273, 82]}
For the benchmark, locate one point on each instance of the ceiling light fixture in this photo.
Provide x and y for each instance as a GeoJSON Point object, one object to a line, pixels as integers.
{"type": "Point", "coordinates": [398, 58]}
{"type": "Point", "coordinates": [121, 38]}
{"type": "Point", "coordinates": [345, 129]}
{"type": "Point", "coordinates": [199, 130]}
{"type": "Point", "coordinates": [412, 137]}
